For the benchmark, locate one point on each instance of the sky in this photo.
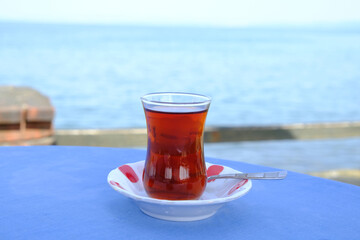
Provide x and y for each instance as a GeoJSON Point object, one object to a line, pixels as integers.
{"type": "Point", "coordinates": [184, 12]}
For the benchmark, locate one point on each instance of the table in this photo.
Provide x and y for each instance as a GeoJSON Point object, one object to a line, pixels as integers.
{"type": "Point", "coordinates": [53, 192]}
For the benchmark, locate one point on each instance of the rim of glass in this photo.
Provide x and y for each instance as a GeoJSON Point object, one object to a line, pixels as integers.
{"type": "Point", "coordinates": [205, 99]}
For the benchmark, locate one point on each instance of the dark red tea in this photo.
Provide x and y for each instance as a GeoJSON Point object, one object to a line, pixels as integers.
{"type": "Point", "coordinates": [175, 167]}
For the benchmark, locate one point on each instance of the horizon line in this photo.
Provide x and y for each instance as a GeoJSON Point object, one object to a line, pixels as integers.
{"type": "Point", "coordinates": [187, 25]}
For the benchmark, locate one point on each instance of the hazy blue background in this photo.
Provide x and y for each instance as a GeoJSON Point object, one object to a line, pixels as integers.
{"type": "Point", "coordinates": [262, 62]}
{"type": "Point", "coordinates": [95, 75]}
{"type": "Point", "coordinates": [189, 12]}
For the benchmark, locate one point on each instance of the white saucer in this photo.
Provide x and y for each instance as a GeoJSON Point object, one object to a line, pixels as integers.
{"type": "Point", "coordinates": [127, 180]}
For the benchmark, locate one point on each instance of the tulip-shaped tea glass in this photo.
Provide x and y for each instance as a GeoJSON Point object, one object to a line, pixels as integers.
{"type": "Point", "coordinates": [175, 166]}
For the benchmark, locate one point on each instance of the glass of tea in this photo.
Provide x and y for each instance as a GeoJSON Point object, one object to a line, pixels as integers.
{"type": "Point", "coordinates": [175, 166]}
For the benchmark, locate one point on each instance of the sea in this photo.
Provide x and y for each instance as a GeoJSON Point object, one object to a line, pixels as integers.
{"type": "Point", "coordinates": [95, 75]}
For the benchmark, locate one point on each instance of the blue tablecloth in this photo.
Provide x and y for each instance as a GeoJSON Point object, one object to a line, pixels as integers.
{"type": "Point", "coordinates": [53, 192]}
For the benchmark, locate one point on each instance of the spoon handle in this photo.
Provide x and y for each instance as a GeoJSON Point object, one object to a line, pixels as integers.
{"type": "Point", "coordinates": [263, 175]}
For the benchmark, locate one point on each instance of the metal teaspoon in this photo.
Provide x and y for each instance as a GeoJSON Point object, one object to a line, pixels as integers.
{"type": "Point", "coordinates": [259, 176]}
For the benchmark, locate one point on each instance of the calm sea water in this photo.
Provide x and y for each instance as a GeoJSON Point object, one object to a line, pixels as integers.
{"type": "Point", "coordinates": [300, 156]}
{"type": "Point", "coordinates": [95, 75]}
